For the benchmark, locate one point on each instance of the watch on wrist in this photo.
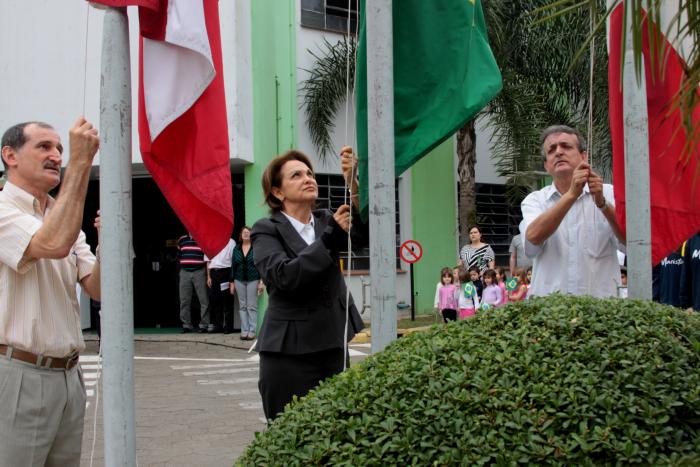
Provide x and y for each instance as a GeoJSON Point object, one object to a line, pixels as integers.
{"type": "Point", "coordinates": [603, 206]}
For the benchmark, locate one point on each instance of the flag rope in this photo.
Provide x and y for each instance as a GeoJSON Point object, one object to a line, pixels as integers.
{"type": "Point", "coordinates": [87, 26]}
{"type": "Point", "coordinates": [348, 193]}
{"type": "Point", "coordinates": [589, 136]}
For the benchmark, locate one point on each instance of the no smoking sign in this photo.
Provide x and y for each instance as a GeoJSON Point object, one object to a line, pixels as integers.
{"type": "Point", "coordinates": [411, 251]}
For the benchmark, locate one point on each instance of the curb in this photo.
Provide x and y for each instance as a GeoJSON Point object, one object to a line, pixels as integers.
{"type": "Point", "coordinates": [365, 336]}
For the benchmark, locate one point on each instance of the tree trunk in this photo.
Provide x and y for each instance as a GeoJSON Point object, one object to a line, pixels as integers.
{"type": "Point", "coordinates": [466, 152]}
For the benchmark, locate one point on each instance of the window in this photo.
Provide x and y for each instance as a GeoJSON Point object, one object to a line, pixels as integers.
{"type": "Point", "coordinates": [331, 191]}
{"type": "Point", "coordinates": [330, 15]}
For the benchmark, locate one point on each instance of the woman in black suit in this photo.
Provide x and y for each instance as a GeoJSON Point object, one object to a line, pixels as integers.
{"type": "Point", "coordinates": [302, 338]}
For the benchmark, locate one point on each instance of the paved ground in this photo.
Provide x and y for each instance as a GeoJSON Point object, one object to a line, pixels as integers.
{"type": "Point", "coordinates": [197, 402]}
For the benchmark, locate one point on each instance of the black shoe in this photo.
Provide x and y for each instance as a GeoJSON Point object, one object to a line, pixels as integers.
{"type": "Point", "coordinates": [214, 331]}
{"type": "Point", "coordinates": [202, 330]}
{"type": "Point", "coordinates": [186, 330]}
{"type": "Point", "coordinates": [226, 331]}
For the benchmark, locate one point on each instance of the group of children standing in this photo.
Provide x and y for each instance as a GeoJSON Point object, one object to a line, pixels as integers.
{"type": "Point", "coordinates": [461, 293]}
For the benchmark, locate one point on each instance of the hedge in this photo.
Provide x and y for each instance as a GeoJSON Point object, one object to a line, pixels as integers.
{"type": "Point", "coordinates": [555, 380]}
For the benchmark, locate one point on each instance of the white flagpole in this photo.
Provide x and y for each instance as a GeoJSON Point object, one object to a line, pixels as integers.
{"type": "Point", "coordinates": [382, 202]}
{"type": "Point", "coordinates": [637, 193]}
{"type": "Point", "coordinates": [116, 242]}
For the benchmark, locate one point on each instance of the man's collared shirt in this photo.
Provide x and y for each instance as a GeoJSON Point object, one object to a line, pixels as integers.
{"type": "Point", "coordinates": [580, 257]}
{"type": "Point", "coordinates": [305, 230]}
{"type": "Point", "coordinates": [222, 260]}
{"type": "Point", "coordinates": [39, 309]}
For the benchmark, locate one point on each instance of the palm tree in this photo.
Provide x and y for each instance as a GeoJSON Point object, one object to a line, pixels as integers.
{"type": "Point", "coordinates": [683, 28]}
{"type": "Point", "coordinates": [540, 88]}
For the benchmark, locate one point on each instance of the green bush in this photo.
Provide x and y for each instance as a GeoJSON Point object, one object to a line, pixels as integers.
{"type": "Point", "coordinates": [557, 380]}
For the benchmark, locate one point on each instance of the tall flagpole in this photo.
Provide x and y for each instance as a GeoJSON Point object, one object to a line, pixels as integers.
{"type": "Point", "coordinates": [637, 193]}
{"type": "Point", "coordinates": [116, 242]}
{"type": "Point", "coordinates": [382, 200]}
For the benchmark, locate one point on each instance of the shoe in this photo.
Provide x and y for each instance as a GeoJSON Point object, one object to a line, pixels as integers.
{"type": "Point", "coordinates": [251, 337]}
{"type": "Point", "coordinates": [214, 331]}
{"type": "Point", "coordinates": [226, 331]}
{"type": "Point", "coordinates": [244, 337]}
{"type": "Point", "coordinates": [202, 330]}
{"type": "Point", "coordinates": [186, 330]}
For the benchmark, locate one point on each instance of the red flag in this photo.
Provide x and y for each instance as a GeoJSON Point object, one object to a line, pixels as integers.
{"type": "Point", "coordinates": [675, 200]}
{"type": "Point", "coordinates": [183, 128]}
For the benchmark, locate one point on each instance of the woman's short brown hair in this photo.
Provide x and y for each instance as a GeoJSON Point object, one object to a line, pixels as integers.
{"type": "Point", "coordinates": [272, 176]}
{"type": "Point", "coordinates": [240, 234]}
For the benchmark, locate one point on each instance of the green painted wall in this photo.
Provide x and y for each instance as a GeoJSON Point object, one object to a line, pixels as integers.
{"type": "Point", "coordinates": [273, 30]}
{"type": "Point", "coordinates": [433, 216]}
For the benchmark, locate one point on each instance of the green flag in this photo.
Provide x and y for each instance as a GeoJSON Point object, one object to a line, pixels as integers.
{"type": "Point", "coordinates": [444, 74]}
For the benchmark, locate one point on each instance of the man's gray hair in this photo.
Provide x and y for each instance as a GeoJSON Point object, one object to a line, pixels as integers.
{"type": "Point", "coordinates": [550, 130]}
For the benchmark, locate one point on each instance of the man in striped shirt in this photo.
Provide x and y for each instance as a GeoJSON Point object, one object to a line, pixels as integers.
{"type": "Point", "coordinates": [43, 255]}
{"type": "Point", "coordinates": [193, 279]}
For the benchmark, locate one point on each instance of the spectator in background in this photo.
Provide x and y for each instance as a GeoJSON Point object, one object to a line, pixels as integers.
{"type": "Point", "coordinates": [520, 292]}
{"type": "Point", "coordinates": [193, 279]}
{"type": "Point", "coordinates": [220, 306]}
{"type": "Point", "coordinates": [474, 277]}
{"type": "Point", "coordinates": [518, 258]}
{"type": "Point", "coordinates": [569, 228]}
{"type": "Point", "coordinates": [501, 280]}
{"type": "Point", "coordinates": [492, 292]}
{"type": "Point", "coordinates": [666, 280]}
{"type": "Point", "coordinates": [445, 298]}
{"type": "Point", "coordinates": [476, 253]}
{"type": "Point", "coordinates": [467, 298]}
{"type": "Point", "coordinates": [246, 283]}
{"type": "Point", "coordinates": [690, 273]}
{"type": "Point", "coordinates": [622, 289]}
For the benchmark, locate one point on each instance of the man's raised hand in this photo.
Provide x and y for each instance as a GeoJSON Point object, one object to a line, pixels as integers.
{"type": "Point", "coordinates": [84, 141]}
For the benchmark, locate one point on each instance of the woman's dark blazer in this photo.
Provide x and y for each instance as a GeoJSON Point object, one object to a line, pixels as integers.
{"type": "Point", "coordinates": [306, 307]}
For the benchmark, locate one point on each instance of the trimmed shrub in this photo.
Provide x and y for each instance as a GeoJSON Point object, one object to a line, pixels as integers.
{"type": "Point", "coordinates": [556, 380]}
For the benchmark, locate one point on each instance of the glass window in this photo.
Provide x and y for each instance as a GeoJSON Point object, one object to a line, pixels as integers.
{"type": "Point", "coordinates": [330, 15]}
{"type": "Point", "coordinates": [331, 195]}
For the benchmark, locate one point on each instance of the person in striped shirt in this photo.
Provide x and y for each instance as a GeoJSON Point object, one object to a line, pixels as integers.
{"type": "Point", "coordinates": [193, 279]}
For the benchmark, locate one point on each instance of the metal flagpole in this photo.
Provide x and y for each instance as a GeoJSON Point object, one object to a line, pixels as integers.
{"type": "Point", "coordinates": [637, 193]}
{"type": "Point", "coordinates": [117, 346]}
{"type": "Point", "coordinates": [382, 202]}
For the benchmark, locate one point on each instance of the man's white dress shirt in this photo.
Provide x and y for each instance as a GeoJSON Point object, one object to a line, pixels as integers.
{"type": "Point", "coordinates": [580, 257]}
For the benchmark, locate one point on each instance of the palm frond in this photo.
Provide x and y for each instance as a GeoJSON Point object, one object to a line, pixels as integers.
{"type": "Point", "coordinates": [325, 90]}
{"type": "Point", "coordinates": [683, 29]}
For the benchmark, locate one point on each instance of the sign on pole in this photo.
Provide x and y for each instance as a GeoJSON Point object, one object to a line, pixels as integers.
{"type": "Point", "coordinates": [411, 251]}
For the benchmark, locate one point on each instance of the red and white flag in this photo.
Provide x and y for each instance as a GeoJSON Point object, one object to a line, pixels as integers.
{"type": "Point", "coordinates": [183, 129]}
{"type": "Point", "coordinates": [674, 189]}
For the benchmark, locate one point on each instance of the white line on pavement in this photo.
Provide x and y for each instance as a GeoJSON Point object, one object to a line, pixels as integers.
{"type": "Point", "coordinates": [355, 353]}
{"type": "Point", "coordinates": [197, 359]}
{"type": "Point", "coordinates": [89, 392]}
{"type": "Point", "coordinates": [226, 381]}
{"type": "Point", "coordinates": [364, 344]}
{"type": "Point", "coordinates": [90, 367]}
{"type": "Point", "coordinates": [220, 372]}
{"type": "Point", "coordinates": [89, 358]}
{"type": "Point", "coordinates": [237, 392]}
{"type": "Point", "coordinates": [90, 383]}
{"type": "Point", "coordinates": [90, 375]}
{"type": "Point", "coordinates": [210, 365]}
{"type": "Point", "coordinates": [250, 405]}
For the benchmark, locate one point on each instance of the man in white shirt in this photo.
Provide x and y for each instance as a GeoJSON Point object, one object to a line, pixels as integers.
{"type": "Point", "coordinates": [569, 227]}
{"type": "Point", "coordinates": [218, 275]}
{"type": "Point", "coordinates": [43, 255]}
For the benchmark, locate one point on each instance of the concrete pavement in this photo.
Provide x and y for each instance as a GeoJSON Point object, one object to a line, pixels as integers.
{"type": "Point", "coordinates": [197, 401]}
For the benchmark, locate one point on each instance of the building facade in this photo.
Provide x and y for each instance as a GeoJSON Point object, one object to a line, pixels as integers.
{"type": "Point", "coordinates": [52, 73]}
